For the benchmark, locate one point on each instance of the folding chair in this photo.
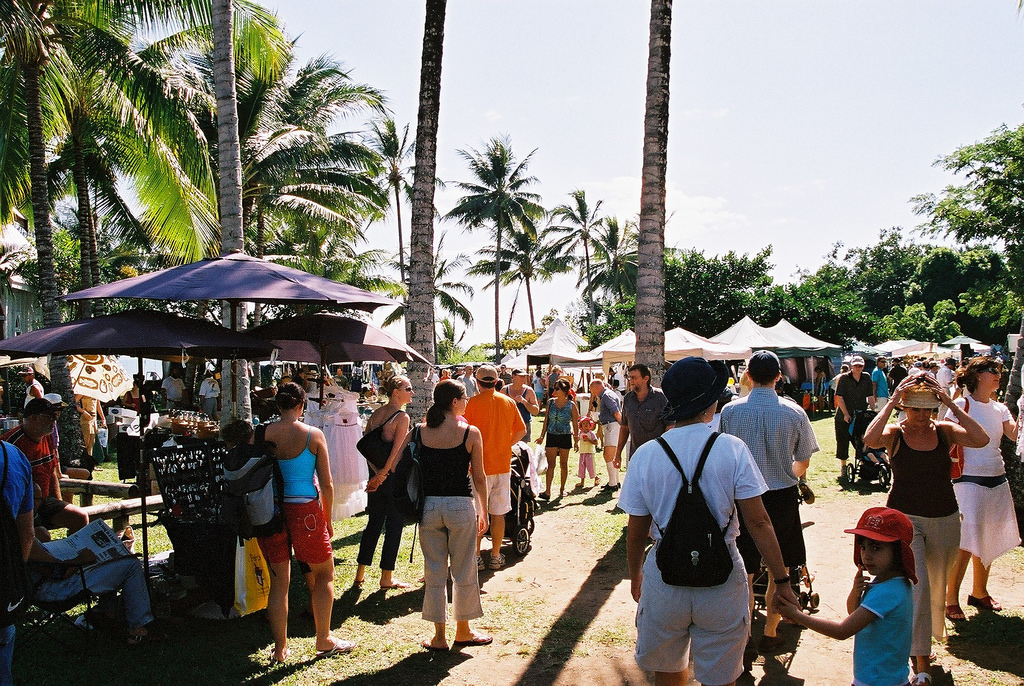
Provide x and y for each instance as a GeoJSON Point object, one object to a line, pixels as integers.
{"type": "Point", "coordinates": [45, 616]}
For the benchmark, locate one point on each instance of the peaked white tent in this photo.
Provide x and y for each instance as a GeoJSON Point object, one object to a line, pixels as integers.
{"type": "Point", "coordinates": [784, 339]}
{"type": "Point", "coordinates": [911, 347]}
{"type": "Point", "coordinates": [558, 344]}
{"type": "Point", "coordinates": [679, 343]}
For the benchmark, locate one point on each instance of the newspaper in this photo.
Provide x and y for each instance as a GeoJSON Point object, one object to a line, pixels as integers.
{"type": "Point", "coordinates": [97, 536]}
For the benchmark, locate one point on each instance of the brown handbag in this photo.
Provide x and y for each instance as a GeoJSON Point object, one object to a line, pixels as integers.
{"type": "Point", "coordinates": [956, 452]}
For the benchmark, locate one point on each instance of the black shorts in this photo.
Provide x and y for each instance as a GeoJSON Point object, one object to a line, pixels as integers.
{"type": "Point", "coordinates": [47, 510]}
{"type": "Point", "coordinates": [783, 508]}
{"type": "Point", "coordinates": [561, 441]}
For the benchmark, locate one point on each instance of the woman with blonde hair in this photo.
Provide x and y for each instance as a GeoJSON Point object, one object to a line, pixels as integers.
{"type": "Point", "coordinates": [382, 514]}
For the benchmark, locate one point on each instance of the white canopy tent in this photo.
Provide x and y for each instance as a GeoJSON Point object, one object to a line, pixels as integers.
{"type": "Point", "coordinates": [784, 339]}
{"type": "Point", "coordinates": [912, 347]}
{"type": "Point", "coordinates": [679, 343]}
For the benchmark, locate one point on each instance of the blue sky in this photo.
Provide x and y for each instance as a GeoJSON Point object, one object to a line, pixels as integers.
{"type": "Point", "coordinates": [793, 123]}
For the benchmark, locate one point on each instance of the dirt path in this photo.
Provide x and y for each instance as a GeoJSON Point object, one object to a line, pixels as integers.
{"type": "Point", "coordinates": [569, 601]}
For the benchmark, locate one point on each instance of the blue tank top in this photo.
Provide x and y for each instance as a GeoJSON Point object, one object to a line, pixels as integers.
{"type": "Point", "coordinates": [298, 475]}
{"type": "Point", "coordinates": [559, 420]}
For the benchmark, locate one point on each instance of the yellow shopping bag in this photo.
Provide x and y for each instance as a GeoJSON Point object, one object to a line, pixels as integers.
{"type": "Point", "coordinates": [252, 578]}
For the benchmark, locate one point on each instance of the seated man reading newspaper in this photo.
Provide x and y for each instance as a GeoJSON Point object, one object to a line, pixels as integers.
{"type": "Point", "coordinates": [108, 568]}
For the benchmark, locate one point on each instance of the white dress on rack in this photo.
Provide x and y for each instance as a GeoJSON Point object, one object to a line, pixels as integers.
{"type": "Point", "coordinates": [338, 417]}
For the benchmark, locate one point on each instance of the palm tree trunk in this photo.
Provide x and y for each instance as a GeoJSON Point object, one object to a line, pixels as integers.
{"type": "Point", "coordinates": [229, 164]}
{"type": "Point", "coordinates": [650, 299]}
{"type": "Point", "coordinates": [419, 316]}
{"type": "Point", "coordinates": [85, 242]}
{"type": "Point", "coordinates": [590, 287]}
{"type": "Point", "coordinates": [94, 263]}
{"type": "Point", "coordinates": [401, 240]}
{"type": "Point", "coordinates": [529, 302]}
{"type": "Point", "coordinates": [70, 430]}
{"type": "Point", "coordinates": [497, 297]}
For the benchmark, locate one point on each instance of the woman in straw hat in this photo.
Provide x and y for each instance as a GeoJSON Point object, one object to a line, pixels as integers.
{"type": "Point", "coordinates": [918, 450]}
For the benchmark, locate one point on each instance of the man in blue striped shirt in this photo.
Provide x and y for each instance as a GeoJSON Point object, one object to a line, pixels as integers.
{"type": "Point", "coordinates": [779, 436]}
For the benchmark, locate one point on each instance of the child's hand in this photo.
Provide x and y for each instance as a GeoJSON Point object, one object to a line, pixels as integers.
{"type": "Point", "coordinates": [786, 607]}
{"type": "Point", "coordinates": [860, 583]}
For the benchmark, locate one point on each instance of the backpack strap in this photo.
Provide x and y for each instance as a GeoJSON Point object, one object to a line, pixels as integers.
{"type": "Point", "coordinates": [700, 463]}
{"type": "Point", "coordinates": [385, 422]}
{"type": "Point", "coordinates": [465, 436]}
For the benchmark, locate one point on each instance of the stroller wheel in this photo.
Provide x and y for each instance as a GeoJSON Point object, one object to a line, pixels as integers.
{"type": "Point", "coordinates": [805, 600]}
{"type": "Point", "coordinates": [521, 541]}
{"type": "Point", "coordinates": [530, 525]}
{"type": "Point", "coordinates": [885, 478]}
{"type": "Point", "coordinates": [814, 600]}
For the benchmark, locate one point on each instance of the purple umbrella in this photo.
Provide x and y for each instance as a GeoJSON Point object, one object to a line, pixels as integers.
{"type": "Point", "coordinates": [142, 333]}
{"type": "Point", "coordinates": [324, 338]}
{"type": "Point", "coordinates": [238, 278]}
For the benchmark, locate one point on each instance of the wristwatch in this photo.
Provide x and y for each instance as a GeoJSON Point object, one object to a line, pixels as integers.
{"type": "Point", "coordinates": [783, 580]}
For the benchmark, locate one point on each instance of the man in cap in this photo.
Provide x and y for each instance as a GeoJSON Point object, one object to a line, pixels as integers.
{"type": "Point", "coordinates": [526, 399]}
{"type": "Point", "coordinates": [501, 427]}
{"type": "Point", "coordinates": [781, 440]}
{"type": "Point", "coordinates": [854, 393]}
{"type": "Point", "coordinates": [641, 413]}
{"type": "Point", "coordinates": [714, 620]}
{"type": "Point", "coordinates": [34, 437]}
{"type": "Point", "coordinates": [35, 389]}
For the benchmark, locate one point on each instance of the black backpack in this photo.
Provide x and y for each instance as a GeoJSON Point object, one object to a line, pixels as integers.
{"type": "Point", "coordinates": [252, 489]}
{"type": "Point", "coordinates": [408, 485]}
{"type": "Point", "coordinates": [14, 584]}
{"type": "Point", "coordinates": [692, 551]}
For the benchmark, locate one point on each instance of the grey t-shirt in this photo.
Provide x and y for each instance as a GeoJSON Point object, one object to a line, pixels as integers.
{"type": "Point", "coordinates": [610, 404]}
{"type": "Point", "coordinates": [644, 418]}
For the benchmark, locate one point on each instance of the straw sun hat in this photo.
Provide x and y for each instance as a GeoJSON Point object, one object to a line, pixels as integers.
{"type": "Point", "coordinates": [920, 396]}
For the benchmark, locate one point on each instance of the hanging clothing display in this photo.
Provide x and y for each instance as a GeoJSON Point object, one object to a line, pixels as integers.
{"type": "Point", "coordinates": [338, 417]}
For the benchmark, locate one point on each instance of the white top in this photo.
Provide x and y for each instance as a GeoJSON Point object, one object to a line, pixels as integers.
{"type": "Point", "coordinates": [652, 483]}
{"type": "Point", "coordinates": [945, 376]}
{"type": "Point", "coordinates": [987, 461]}
{"type": "Point", "coordinates": [209, 388]}
{"type": "Point", "coordinates": [36, 385]}
{"type": "Point", "coordinates": [175, 388]}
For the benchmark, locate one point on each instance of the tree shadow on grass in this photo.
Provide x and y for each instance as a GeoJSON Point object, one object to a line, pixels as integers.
{"type": "Point", "coordinates": [566, 633]}
{"type": "Point", "coordinates": [424, 667]}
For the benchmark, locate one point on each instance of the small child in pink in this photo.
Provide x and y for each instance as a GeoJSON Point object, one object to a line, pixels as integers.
{"type": "Point", "coordinates": [588, 445]}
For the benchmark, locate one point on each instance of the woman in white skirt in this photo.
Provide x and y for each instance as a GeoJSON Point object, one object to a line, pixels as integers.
{"type": "Point", "coordinates": [989, 523]}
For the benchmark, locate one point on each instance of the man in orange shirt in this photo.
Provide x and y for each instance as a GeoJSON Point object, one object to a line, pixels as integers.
{"type": "Point", "coordinates": [501, 426]}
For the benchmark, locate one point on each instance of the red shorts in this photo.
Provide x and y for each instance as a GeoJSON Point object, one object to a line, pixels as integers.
{"type": "Point", "coordinates": [305, 526]}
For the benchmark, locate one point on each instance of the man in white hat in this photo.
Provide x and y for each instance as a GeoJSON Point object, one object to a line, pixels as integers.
{"type": "Point", "coordinates": [854, 393]}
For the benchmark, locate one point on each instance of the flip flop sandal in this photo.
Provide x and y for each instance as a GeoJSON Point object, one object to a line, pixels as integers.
{"type": "Point", "coordinates": [338, 648]}
{"type": "Point", "coordinates": [428, 646]}
{"type": "Point", "coordinates": [955, 613]}
{"type": "Point", "coordinates": [474, 642]}
{"type": "Point", "coordinates": [274, 661]}
{"type": "Point", "coordinates": [986, 603]}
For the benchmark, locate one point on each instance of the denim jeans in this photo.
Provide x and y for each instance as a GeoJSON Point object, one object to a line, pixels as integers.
{"type": "Point", "coordinates": [382, 515]}
{"type": "Point", "coordinates": [124, 574]}
{"type": "Point", "coordinates": [6, 655]}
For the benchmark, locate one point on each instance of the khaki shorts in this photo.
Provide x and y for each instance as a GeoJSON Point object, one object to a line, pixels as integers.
{"type": "Point", "coordinates": [715, 622]}
{"type": "Point", "coordinates": [611, 434]}
{"type": "Point", "coordinates": [499, 493]}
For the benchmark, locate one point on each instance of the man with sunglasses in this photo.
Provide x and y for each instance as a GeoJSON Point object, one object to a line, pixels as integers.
{"type": "Point", "coordinates": [501, 427]}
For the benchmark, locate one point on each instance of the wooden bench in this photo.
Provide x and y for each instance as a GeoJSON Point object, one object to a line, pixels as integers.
{"type": "Point", "coordinates": [118, 511]}
{"type": "Point", "coordinates": [86, 489]}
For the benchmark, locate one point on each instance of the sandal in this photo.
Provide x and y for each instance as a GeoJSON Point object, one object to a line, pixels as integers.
{"type": "Point", "coordinates": [151, 636]}
{"type": "Point", "coordinates": [955, 613]}
{"type": "Point", "coordinates": [986, 603]}
{"type": "Point", "coordinates": [274, 661]}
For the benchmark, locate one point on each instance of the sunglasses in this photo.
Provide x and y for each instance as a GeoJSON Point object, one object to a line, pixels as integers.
{"type": "Point", "coordinates": [993, 369]}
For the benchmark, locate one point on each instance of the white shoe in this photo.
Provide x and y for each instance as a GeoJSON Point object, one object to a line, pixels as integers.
{"type": "Point", "coordinates": [921, 678]}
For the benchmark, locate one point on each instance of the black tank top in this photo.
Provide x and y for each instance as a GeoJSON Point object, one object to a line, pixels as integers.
{"type": "Point", "coordinates": [920, 480]}
{"type": "Point", "coordinates": [446, 470]}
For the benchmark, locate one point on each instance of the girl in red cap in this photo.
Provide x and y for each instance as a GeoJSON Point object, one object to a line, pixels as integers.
{"type": "Point", "coordinates": [881, 610]}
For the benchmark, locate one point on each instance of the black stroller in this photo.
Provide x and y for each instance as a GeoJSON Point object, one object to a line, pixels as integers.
{"type": "Point", "coordinates": [868, 464]}
{"type": "Point", "coordinates": [519, 520]}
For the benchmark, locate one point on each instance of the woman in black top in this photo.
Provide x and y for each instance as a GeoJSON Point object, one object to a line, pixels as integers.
{"type": "Point", "coordinates": [451, 453]}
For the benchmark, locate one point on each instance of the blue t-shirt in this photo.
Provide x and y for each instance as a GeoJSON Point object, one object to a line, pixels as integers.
{"type": "Point", "coordinates": [18, 486]}
{"type": "Point", "coordinates": [881, 650]}
{"type": "Point", "coordinates": [878, 377]}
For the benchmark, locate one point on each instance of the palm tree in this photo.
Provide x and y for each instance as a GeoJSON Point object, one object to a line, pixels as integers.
{"type": "Point", "coordinates": [497, 198]}
{"type": "Point", "coordinates": [527, 259]}
{"type": "Point", "coordinates": [650, 297]}
{"type": "Point", "coordinates": [615, 258]}
{"type": "Point", "coordinates": [581, 222]}
{"type": "Point", "coordinates": [419, 320]}
{"type": "Point", "coordinates": [32, 39]}
{"type": "Point", "coordinates": [394, 150]}
{"type": "Point", "coordinates": [447, 288]}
